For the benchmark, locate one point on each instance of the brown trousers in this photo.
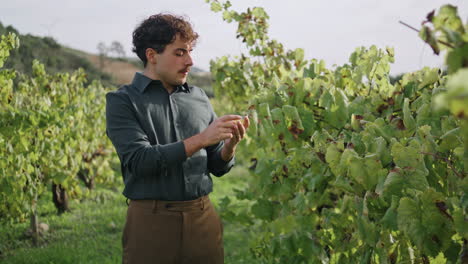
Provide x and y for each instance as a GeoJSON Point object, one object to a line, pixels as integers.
{"type": "Point", "coordinates": [172, 232]}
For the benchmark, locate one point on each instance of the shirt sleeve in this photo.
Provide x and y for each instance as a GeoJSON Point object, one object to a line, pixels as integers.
{"type": "Point", "coordinates": [216, 165]}
{"type": "Point", "coordinates": [135, 151]}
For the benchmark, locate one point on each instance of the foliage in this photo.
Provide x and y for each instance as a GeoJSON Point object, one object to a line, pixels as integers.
{"type": "Point", "coordinates": [445, 31]}
{"type": "Point", "coordinates": [348, 167]}
{"type": "Point", "coordinates": [52, 128]}
{"type": "Point", "coordinates": [202, 80]}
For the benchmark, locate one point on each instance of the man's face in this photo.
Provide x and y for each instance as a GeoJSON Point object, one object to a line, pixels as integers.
{"type": "Point", "coordinates": [173, 64]}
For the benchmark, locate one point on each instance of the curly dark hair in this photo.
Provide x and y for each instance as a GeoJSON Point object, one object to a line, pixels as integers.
{"type": "Point", "coordinates": [159, 30]}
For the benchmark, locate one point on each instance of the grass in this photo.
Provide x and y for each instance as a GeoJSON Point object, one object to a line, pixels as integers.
{"type": "Point", "coordinates": [91, 232]}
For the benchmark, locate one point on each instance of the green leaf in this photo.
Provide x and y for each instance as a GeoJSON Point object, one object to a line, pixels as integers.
{"type": "Point", "coordinates": [264, 119]}
{"type": "Point", "coordinates": [389, 220]}
{"type": "Point", "coordinates": [434, 217]}
{"type": "Point", "coordinates": [457, 58]}
{"type": "Point", "coordinates": [373, 172]}
{"type": "Point", "coordinates": [253, 117]}
{"type": "Point", "coordinates": [409, 157]}
{"type": "Point", "coordinates": [394, 183]}
{"type": "Point", "coordinates": [409, 220]}
{"type": "Point", "coordinates": [428, 36]}
{"type": "Point", "coordinates": [227, 16]}
{"type": "Point", "coordinates": [381, 149]}
{"type": "Point", "coordinates": [440, 259]}
{"type": "Point", "coordinates": [293, 120]}
{"type": "Point", "coordinates": [452, 252]}
{"type": "Point", "coordinates": [326, 99]}
{"type": "Point", "coordinates": [299, 55]}
{"type": "Point", "coordinates": [216, 6]}
{"type": "Point", "coordinates": [399, 180]}
{"type": "Point", "coordinates": [456, 98]}
{"type": "Point", "coordinates": [461, 223]}
{"type": "Point", "coordinates": [450, 140]}
{"type": "Point", "coordinates": [259, 12]}
{"type": "Point", "coordinates": [448, 17]}
{"type": "Point", "coordinates": [333, 158]}
{"type": "Point", "coordinates": [367, 231]}
{"type": "Point", "coordinates": [279, 124]}
{"type": "Point", "coordinates": [263, 209]}
{"type": "Point", "coordinates": [408, 119]}
{"type": "Point", "coordinates": [378, 129]}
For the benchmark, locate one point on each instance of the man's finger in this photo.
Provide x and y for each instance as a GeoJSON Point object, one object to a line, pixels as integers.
{"type": "Point", "coordinates": [234, 129]}
{"type": "Point", "coordinates": [230, 117]}
{"type": "Point", "coordinates": [225, 136]}
{"type": "Point", "coordinates": [227, 124]}
{"type": "Point", "coordinates": [241, 130]}
{"type": "Point", "coordinates": [246, 122]}
{"type": "Point", "coordinates": [225, 130]}
{"type": "Point", "coordinates": [237, 131]}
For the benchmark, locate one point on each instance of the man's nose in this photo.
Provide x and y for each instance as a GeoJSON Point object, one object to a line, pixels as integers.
{"type": "Point", "coordinates": [189, 60]}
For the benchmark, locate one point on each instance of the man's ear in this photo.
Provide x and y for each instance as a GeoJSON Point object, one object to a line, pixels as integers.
{"type": "Point", "coordinates": [150, 55]}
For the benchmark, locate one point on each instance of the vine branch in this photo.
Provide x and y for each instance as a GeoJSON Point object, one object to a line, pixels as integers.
{"type": "Point", "coordinates": [415, 29]}
{"type": "Point", "coordinates": [461, 175]}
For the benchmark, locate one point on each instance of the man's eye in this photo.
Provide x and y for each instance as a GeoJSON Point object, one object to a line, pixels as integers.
{"type": "Point", "coordinates": [179, 54]}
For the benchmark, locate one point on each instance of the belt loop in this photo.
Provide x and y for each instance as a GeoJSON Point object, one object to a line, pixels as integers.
{"type": "Point", "coordinates": [202, 203]}
{"type": "Point", "coordinates": [155, 206]}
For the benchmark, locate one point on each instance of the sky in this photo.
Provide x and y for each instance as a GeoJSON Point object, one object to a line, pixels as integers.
{"type": "Point", "coordinates": [326, 29]}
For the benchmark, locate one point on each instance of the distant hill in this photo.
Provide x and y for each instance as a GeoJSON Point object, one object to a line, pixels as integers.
{"type": "Point", "coordinates": [51, 54]}
{"type": "Point", "coordinates": [57, 58]}
{"type": "Point", "coordinates": [122, 70]}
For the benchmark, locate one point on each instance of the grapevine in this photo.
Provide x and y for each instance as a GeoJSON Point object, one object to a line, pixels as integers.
{"type": "Point", "coordinates": [349, 167]}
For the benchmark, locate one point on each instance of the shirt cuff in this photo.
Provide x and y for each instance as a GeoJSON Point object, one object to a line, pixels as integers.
{"type": "Point", "coordinates": [221, 165]}
{"type": "Point", "coordinates": [174, 152]}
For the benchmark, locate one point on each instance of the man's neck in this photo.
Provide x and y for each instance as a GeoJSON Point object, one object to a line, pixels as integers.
{"type": "Point", "coordinates": [152, 76]}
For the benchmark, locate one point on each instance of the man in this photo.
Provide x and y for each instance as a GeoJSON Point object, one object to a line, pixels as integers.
{"type": "Point", "coordinates": [168, 140]}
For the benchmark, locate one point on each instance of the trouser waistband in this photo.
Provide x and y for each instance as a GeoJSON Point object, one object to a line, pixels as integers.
{"type": "Point", "coordinates": [174, 206]}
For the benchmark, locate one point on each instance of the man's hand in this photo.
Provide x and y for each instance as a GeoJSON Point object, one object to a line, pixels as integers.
{"type": "Point", "coordinates": [228, 128]}
{"type": "Point", "coordinates": [238, 131]}
{"type": "Point", "coordinates": [220, 129]}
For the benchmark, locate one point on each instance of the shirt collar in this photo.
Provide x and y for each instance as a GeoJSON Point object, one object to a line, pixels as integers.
{"type": "Point", "coordinates": [140, 81]}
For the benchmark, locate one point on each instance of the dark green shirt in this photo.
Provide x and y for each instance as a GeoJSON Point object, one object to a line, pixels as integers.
{"type": "Point", "coordinates": [147, 126]}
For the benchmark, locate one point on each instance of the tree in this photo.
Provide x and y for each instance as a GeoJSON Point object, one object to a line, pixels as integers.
{"type": "Point", "coordinates": [117, 48]}
{"type": "Point", "coordinates": [103, 51]}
